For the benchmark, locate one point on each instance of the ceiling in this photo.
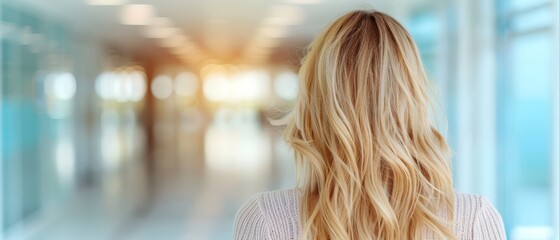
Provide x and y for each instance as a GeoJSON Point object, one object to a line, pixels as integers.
{"type": "Point", "coordinates": [214, 30]}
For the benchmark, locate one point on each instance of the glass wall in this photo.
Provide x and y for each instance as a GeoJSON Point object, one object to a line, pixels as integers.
{"type": "Point", "coordinates": [49, 113]}
{"type": "Point", "coordinates": [36, 108]}
{"type": "Point", "coordinates": [493, 61]}
{"type": "Point", "coordinates": [525, 116]}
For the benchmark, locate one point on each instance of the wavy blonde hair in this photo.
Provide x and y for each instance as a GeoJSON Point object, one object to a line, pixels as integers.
{"type": "Point", "coordinates": [370, 164]}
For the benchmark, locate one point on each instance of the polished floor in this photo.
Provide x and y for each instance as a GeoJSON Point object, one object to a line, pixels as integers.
{"type": "Point", "coordinates": [201, 172]}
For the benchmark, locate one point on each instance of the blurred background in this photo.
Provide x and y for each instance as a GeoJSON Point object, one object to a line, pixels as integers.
{"type": "Point", "coordinates": [146, 119]}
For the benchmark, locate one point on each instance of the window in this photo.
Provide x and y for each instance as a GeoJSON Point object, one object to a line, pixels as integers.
{"type": "Point", "coordinates": [525, 117]}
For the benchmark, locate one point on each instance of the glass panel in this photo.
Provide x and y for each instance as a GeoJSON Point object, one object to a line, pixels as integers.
{"type": "Point", "coordinates": [32, 151]}
{"type": "Point", "coordinates": [425, 28]}
{"type": "Point", "coordinates": [11, 137]}
{"type": "Point", "coordinates": [522, 4]}
{"type": "Point", "coordinates": [524, 137]}
{"type": "Point", "coordinates": [540, 18]}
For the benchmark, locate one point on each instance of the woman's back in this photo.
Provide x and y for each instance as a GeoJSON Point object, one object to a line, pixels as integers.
{"type": "Point", "coordinates": [371, 163]}
{"type": "Point", "coordinates": [275, 215]}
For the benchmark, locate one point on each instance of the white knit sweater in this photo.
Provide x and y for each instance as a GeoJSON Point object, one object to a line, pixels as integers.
{"type": "Point", "coordinates": [274, 215]}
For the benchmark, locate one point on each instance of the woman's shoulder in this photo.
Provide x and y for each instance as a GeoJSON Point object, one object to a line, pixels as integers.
{"type": "Point", "coordinates": [468, 205]}
{"type": "Point", "coordinates": [275, 213]}
{"type": "Point", "coordinates": [476, 215]}
{"type": "Point", "coordinates": [269, 213]}
{"type": "Point", "coordinates": [268, 199]}
{"type": "Point", "coordinates": [276, 202]}
{"type": "Point", "coordinates": [468, 201]}
{"type": "Point", "coordinates": [279, 196]}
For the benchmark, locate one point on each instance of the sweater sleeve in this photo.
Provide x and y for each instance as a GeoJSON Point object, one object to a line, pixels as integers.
{"type": "Point", "coordinates": [250, 222]}
{"type": "Point", "coordinates": [488, 224]}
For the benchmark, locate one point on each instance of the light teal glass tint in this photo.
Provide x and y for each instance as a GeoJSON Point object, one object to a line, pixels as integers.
{"type": "Point", "coordinates": [425, 29]}
{"type": "Point", "coordinates": [526, 131]}
{"type": "Point", "coordinates": [523, 4]}
{"type": "Point", "coordinates": [30, 45]}
{"type": "Point", "coordinates": [533, 20]}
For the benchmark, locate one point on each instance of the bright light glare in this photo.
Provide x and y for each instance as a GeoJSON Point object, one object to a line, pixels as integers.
{"type": "Point", "coordinates": [102, 85]}
{"type": "Point", "coordinates": [126, 87]}
{"type": "Point", "coordinates": [110, 140]}
{"type": "Point", "coordinates": [61, 86]}
{"type": "Point", "coordinates": [119, 87]}
{"type": "Point", "coordinates": [65, 159]}
{"type": "Point", "coordinates": [137, 14]}
{"type": "Point", "coordinates": [216, 87]}
{"type": "Point", "coordinates": [186, 84]}
{"type": "Point", "coordinates": [105, 2]}
{"type": "Point", "coordinates": [287, 11]}
{"type": "Point", "coordinates": [241, 148]}
{"type": "Point", "coordinates": [138, 81]}
{"type": "Point", "coordinates": [250, 85]}
{"type": "Point", "coordinates": [286, 85]}
{"type": "Point", "coordinates": [122, 87]}
{"type": "Point", "coordinates": [281, 21]}
{"type": "Point", "coordinates": [210, 68]}
{"type": "Point", "coordinates": [162, 87]}
{"type": "Point", "coordinates": [286, 15]}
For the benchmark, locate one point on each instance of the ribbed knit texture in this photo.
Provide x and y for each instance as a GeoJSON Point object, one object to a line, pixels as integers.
{"type": "Point", "coordinates": [274, 215]}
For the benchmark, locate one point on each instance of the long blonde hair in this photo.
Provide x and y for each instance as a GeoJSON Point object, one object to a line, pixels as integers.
{"type": "Point", "coordinates": [370, 164]}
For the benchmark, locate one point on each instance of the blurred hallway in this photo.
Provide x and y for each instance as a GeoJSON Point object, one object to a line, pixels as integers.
{"type": "Point", "coordinates": [182, 196]}
{"type": "Point", "coordinates": [147, 119]}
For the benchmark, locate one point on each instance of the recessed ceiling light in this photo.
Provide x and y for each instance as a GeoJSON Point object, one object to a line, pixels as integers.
{"type": "Point", "coordinates": [137, 14]}
{"type": "Point", "coordinates": [282, 21]}
{"type": "Point", "coordinates": [288, 11]}
{"type": "Point", "coordinates": [105, 2]}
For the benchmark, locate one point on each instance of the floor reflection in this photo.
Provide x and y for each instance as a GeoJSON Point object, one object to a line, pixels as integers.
{"type": "Point", "coordinates": [203, 168]}
{"type": "Point", "coordinates": [236, 144]}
